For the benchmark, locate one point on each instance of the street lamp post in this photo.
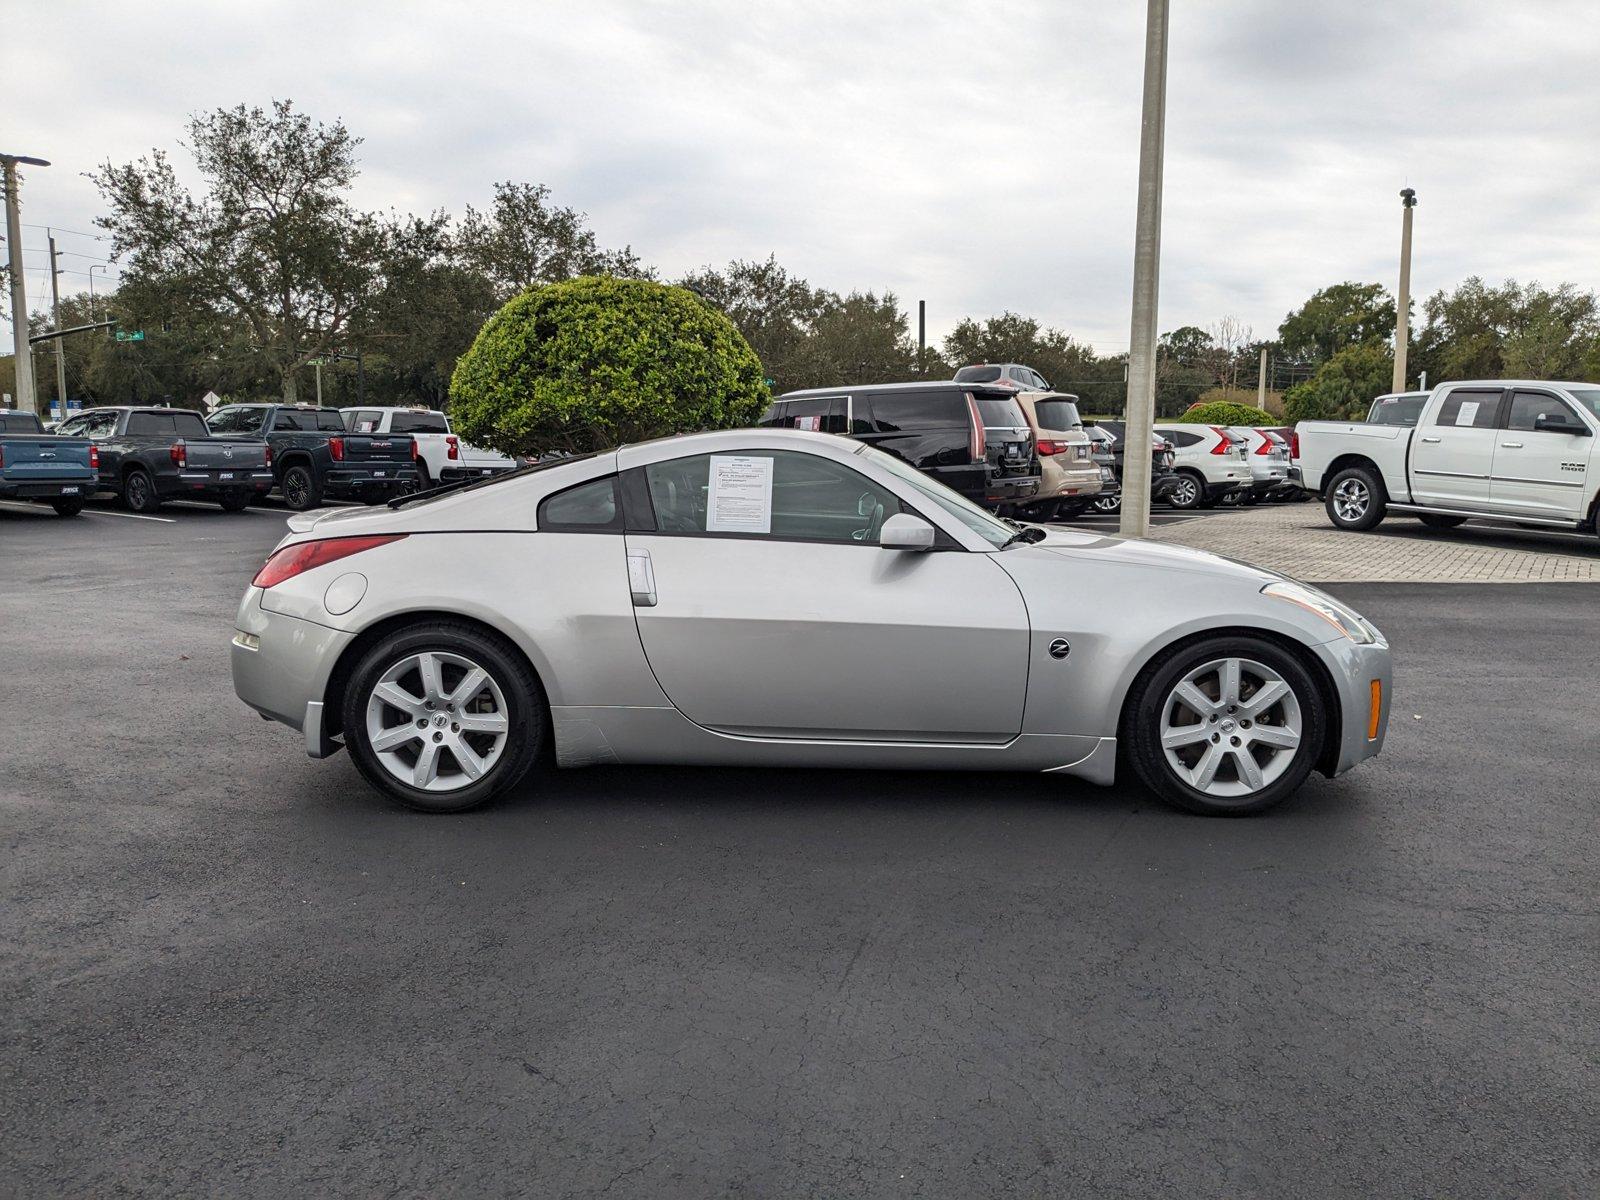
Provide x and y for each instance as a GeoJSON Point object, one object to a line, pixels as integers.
{"type": "Point", "coordinates": [1402, 313]}
{"type": "Point", "coordinates": [93, 315]}
{"type": "Point", "coordinates": [19, 295]}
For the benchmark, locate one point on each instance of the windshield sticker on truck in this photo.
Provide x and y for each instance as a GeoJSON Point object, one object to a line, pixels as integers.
{"type": "Point", "coordinates": [739, 496]}
{"type": "Point", "coordinates": [1468, 412]}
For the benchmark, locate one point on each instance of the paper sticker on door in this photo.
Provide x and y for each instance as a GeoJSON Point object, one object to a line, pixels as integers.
{"type": "Point", "coordinates": [739, 494]}
{"type": "Point", "coordinates": [1468, 412]}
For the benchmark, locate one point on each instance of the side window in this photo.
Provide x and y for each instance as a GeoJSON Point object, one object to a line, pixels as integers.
{"type": "Point", "coordinates": [1469, 408]}
{"type": "Point", "coordinates": [822, 415]}
{"type": "Point", "coordinates": [586, 508]}
{"type": "Point", "coordinates": [1527, 407]}
{"type": "Point", "coordinates": [328, 420]}
{"type": "Point", "coordinates": [150, 423]}
{"type": "Point", "coordinates": [366, 421]}
{"type": "Point", "coordinates": [781, 494]}
{"type": "Point", "coordinates": [895, 411]}
{"type": "Point", "coordinates": [1178, 438]}
{"type": "Point", "coordinates": [188, 424]}
{"type": "Point", "coordinates": [288, 420]}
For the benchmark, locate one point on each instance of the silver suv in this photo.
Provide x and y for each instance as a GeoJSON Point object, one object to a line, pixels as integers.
{"type": "Point", "coordinates": [1005, 374]}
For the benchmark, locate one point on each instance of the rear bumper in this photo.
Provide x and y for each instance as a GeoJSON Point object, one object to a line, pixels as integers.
{"type": "Point", "coordinates": [289, 665]}
{"type": "Point", "coordinates": [351, 479]}
{"type": "Point", "coordinates": [216, 483]}
{"type": "Point", "coordinates": [47, 489]}
{"type": "Point", "coordinates": [456, 474]}
{"type": "Point", "coordinates": [1009, 489]}
{"type": "Point", "coordinates": [1078, 480]}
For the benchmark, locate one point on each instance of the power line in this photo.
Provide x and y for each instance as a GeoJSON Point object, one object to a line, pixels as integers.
{"type": "Point", "coordinates": [99, 237]}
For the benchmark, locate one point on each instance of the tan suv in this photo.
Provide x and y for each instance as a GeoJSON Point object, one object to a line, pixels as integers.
{"type": "Point", "coordinates": [1069, 476]}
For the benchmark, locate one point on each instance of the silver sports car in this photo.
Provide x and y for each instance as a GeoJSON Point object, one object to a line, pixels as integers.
{"type": "Point", "coordinates": [789, 599]}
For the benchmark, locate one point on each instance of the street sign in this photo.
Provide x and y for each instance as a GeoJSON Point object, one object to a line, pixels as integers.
{"type": "Point", "coordinates": [131, 335]}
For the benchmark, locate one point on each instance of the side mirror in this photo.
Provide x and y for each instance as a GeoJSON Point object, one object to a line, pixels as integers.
{"type": "Point", "coordinates": [905, 532]}
{"type": "Point", "coordinates": [1558, 423]}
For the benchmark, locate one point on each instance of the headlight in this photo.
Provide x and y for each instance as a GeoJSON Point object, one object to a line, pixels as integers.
{"type": "Point", "coordinates": [1342, 617]}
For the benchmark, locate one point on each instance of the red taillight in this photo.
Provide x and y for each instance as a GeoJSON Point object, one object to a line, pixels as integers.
{"type": "Point", "coordinates": [979, 444]}
{"type": "Point", "coordinates": [1224, 445]}
{"type": "Point", "coordinates": [417, 453]}
{"type": "Point", "coordinates": [1266, 446]}
{"type": "Point", "coordinates": [1294, 443]}
{"type": "Point", "coordinates": [450, 440]}
{"type": "Point", "coordinates": [179, 454]}
{"type": "Point", "coordinates": [336, 448]}
{"type": "Point", "coordinates": [303, 556]}
{"type": "Point", "coordinates": [269, 456]}
{"type": "Point", "coordinates": [94, 457]}
{"type": "Point", "coordinates": [1048, 447]}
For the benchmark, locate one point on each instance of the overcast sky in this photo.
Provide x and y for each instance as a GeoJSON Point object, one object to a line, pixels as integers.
{"type": "Point", "coordinates": [980, 156]}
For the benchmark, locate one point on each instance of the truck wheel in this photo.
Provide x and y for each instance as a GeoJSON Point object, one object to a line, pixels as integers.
{"type": "Point", "coordinates": [139, 492]}
{"type": "Point", "coordinates": [1440, 521]}
{"type": "Point", "coordinates": [69, 506]}
{"type": "Point", "coordinates": [1190, 491]}
{"type": "Point", "coordinates": [234, 501]}
{"type": "Point", "coordinates": [1356, 499]}
{"type": "Point", "coordinates": [300, 490]}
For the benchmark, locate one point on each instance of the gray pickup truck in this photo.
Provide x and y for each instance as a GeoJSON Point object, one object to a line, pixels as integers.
{"type": "Point", "coordinates": [149, 455]}
{"type": "Point", "coordinates": [35, 465]}
{"type": "Point", "coordinates": [314, 456]}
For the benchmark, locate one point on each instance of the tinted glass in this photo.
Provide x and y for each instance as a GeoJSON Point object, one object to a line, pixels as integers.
{"type": "Point", "coordinates": [145, 422]}
{"type": "Point", "coordinates": [20, 423]}
{"type": "Point", "coordinates": [894, 411]}
{"type": "Point", "coordinates": [427, 422]}
{"type": "Point", "coordinates": [189, 424]}
{"type": "Point", "coordinates": [812, 498]}
{"type": "Point", "coordinates": [328, 419]}
{"type": "Point", "coordinates": [824, 414]}
{"type": "Point", "coordinates": [589, 505]}
{"type": "Point", "coordinates": [1397, 410]}
{"type": "Point", "coordinates": [1179, 438]}
{"type": "Point", "coordinates": [366, 421]}
{"type": "Point", "coordinates": [1588, 397]}
{"type": "Point", "coordinates": [999, 410]}
{"type": "Point", "coordinates": [1527, 407]}
{"type": "Point", "coordinates": [978, 374]}
{"type": "Point", "coordinates": [1058, 414]}
{"type": "Point", "coordinates": [1469, 409]}
{"type": "Point", "coordinates": [289, 419]}
{"type": "Point", "coordinates": [237, 420]}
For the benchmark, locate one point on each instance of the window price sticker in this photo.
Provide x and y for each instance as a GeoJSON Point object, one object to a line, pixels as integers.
{"type": "Point", "coordinates": [739, 498]}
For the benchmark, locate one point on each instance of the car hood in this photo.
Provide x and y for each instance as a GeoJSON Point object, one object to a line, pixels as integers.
{"type": "Point", "coordinates": [1137, 552]}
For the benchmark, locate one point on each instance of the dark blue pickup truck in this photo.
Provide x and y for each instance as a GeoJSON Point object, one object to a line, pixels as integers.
{"type": "Point", "coordinates": [35, 465]}
{"type": "Point", "coordinates": [314, 455]}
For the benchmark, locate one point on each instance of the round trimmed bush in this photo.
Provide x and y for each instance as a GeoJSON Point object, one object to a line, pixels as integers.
{"type": "Point", "coordinates": [591, 362]}
{"type": "Point", "coordinates": [1225, 412]}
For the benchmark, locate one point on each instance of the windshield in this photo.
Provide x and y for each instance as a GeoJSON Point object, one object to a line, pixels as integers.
{"type": "Point", "coordinates": [1396, 410]}
{"type": "Point", "coordinates": [237, 420]}
{"type": "Point", "coordinates": [1588, 397]}
{"type": "Point", "coordinates": [978, 374]}
{"type": "Point", "coordinates": [982, 522]}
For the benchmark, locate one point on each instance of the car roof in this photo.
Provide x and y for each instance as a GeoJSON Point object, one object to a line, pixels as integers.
{"type": "Point", "coordinates": [917, 385]}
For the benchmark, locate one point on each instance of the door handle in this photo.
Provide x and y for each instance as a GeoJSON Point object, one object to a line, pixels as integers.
{"type": "Point", "coordinates": [1512, 445]}
{"type": "Point", "coordinates": [1430, 439]}
{"type": "Point", "coordinates": [641, 579]}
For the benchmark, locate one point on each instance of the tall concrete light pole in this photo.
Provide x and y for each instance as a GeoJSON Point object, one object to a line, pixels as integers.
{"type": "Point", "coordinates": [1146, 278]}
{"type": "Point", "coordinates": [1402, 313]}
{"type": "Point", "coordinates": [19, 295]}
{"type": "Point", "coordinates": [55, 318]}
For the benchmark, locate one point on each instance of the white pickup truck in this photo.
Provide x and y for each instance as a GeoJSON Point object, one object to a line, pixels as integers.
{"type": "Point", "coordinates": [1518, 450]}
{"type": "Point", "coordinates": [442, 457]}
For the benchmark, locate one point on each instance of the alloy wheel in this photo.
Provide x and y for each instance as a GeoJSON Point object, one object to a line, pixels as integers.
{"type": "Point", "coordinates": [437, 721]}
{"type": "Point", "coordinates": [1231, 727]}
{"type": "Point", "coordinates": [295, 489]}
{"type": "Point", "coordinates": [1351, 499]}
{"type": "Point", "coordinates": [1187, 493]}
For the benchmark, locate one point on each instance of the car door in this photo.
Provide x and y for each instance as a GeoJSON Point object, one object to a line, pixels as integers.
{"type": "Point", "coordinates": [1540, 473]}
{"type": "Point", "coordinates": [1452, 455]}
{"type": "Point", "coordinates": [766, 608]}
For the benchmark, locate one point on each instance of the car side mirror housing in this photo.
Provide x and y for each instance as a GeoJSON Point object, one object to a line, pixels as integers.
{"type": "Point", "coordinates": [1558, 423]}
{"type": "Point", "coordinates": [905, 532]}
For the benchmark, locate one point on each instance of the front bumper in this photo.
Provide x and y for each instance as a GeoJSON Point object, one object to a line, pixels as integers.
{"type": "Point", "coordinates": [1354, 669]}
{"type": "Point", "coordinates": [289, 665]}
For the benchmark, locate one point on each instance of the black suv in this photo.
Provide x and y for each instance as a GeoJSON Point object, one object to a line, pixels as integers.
{"type": "Point", "coordinates": [972, 439]}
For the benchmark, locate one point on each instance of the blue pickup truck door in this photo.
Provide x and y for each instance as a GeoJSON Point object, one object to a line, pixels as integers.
{"type": "Point", "coordinates": [1452, 454]}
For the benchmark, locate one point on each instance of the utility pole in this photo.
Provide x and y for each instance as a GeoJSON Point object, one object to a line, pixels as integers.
{"type": "Point", "coordinates": [922, 337]}
{"type": "Point", "coordinates": [55, 319]}
{"type": "Point", "coordinates": [1261, 382]}
{"type": "Point", "coordinates": [1402, 312]}
{"type": "Point", "coordinates": [317, 363]}
{"type": "Point", "coordinates": [19, 296]}
{"type": "Point", "coordinates": [93, 315]}
{"type": "Point", "coordinates": [1140, 415]}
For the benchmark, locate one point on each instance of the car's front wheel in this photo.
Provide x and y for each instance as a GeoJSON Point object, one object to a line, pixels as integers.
{"type": "Point", "coordinates": [443, 716]}
{"type": "Point", "coordinates": [1225, 726]}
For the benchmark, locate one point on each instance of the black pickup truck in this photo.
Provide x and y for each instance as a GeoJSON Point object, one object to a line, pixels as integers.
{"type": "Point", "coordinates": [148, 455]}
{"type": "Point", "coordinates": [314, 455]}
{"type": "Point", "coordinates": [35, 465]}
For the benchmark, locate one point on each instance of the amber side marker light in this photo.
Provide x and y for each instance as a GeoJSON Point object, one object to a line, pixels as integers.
{"type": "Point", "coordinates": [1377, 710]}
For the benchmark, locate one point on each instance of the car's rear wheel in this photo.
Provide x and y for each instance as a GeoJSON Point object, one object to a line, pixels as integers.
{"type": "Point", "coordinates": [139, 492]}
{"type": "Point", "coordinates": [300, 490]}
{"type": "Point", "coordinates": [1356, 499]}
{"type": "Point", "coordinates": [1189, 492]}
{"type": "Point", "coordinates": [1225, 726]}
{"type": "Point", "coordinates": [1441, 521]}
{"type": "Point", "coordinates": [69, 506]}
{"type": "Point", "coordinates": [443, 716]}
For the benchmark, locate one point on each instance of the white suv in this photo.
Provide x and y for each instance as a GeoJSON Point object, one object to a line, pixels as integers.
{"type": "Point", "coordinates": [1210, 462]}
{"type": "Point", "coordinates": [1268, 457]}
{"type": "Point", "coordinates": [442, 457]}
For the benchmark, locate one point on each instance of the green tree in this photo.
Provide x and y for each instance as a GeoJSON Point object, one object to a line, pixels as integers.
{"type": "Point", "coordinates": [859, 338]}
{"type": "Point", "coordinates": [1344, 386]}
{"type": "Point", "coordinates": [594, 361]}
{"type": "Point", "coordinates": [1225, 412]}
{"type": "Point", "coordinates": [1480, 331]}
{"type": "Point", "coordinates": [1346, 314]}
{"type": "Point", "coordinates": [523, 241]}
{"type": "Point", "coordinates": [772, 309]}
{"type": "Point", "coordinates": [272, 266]}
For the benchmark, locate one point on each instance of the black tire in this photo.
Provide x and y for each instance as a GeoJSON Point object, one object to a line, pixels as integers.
{"type": "Point", "coordinates": [1141, 725]}
{"type": "Point", "coordinates": [139, 492]}
{"type": "Point", "coordinates": [234, 501]}
{"type": "Point", "coordinates": [1440, 520]}
{"type": "Point", "coordinates": [1189, 493]}
{"type": "Point", "coordinates": [68, 506]}
{"type": "Point", "coordinates": [1067, 510]}
{"type": "Point", "coordinates": [527, 712]}
{"type": "Point", "coordinates": [300, 488]}
{"type": "Point", "coordinates": [1356, 499]}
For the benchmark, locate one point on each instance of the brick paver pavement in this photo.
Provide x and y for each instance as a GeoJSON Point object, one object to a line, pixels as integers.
{"type": "Point", "coordinates": [1298, 540]}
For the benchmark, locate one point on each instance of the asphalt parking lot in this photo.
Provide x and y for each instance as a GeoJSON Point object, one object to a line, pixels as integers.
{"type": "Point", "coordinates": [228, 969]}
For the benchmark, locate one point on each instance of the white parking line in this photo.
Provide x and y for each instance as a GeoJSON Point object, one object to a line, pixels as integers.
{"type": "Point", "coordinates": [111, 512]}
